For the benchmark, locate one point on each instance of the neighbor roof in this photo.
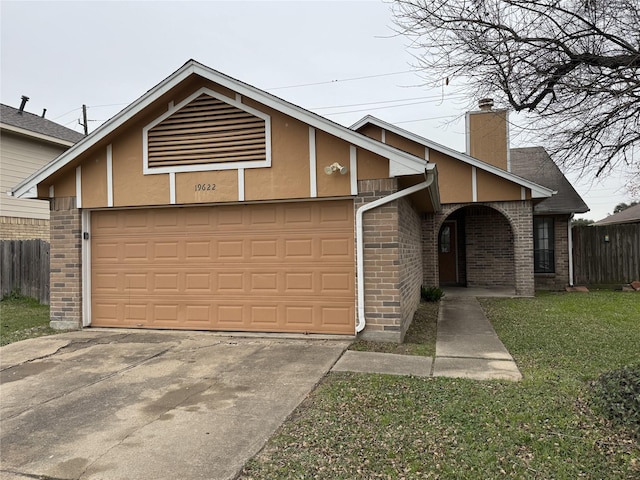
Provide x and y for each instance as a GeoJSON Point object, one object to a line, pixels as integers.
{"type": "Point", "coordinates": [26, 123]}
{"type": "Point", "coordinates": [537, 190]}
{"type": "Point", "coordinates": [535, 164]}
{"type": "Point", "coordinates": [630, 215]}
{"type": "Point", "coordinates": [410, 163]}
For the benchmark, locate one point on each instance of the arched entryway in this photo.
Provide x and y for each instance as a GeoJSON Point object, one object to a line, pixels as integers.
{"type": "Point", "coordinates": [476, 248]}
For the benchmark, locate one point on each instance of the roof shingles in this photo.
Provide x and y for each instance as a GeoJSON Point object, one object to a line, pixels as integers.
{"type": "Point", "coordinates": [34, 123]}
{"type": "Point", "coordinates": [535, 164]}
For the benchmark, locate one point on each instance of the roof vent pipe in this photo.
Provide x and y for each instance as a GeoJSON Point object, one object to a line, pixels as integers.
{"type": "Point", "coordinates": [25, 99]}
{"type": "Point", "coordinates": [44, 112]}
{"type": "Point", "coordinates": [485, 104]}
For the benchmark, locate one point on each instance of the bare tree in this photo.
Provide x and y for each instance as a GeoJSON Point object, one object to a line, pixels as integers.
{"type": "Point", "coordinates": [572, 65]}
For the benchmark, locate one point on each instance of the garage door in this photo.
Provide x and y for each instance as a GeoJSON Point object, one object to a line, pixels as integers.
{"type": "Point", "coordinates": [286, 267]}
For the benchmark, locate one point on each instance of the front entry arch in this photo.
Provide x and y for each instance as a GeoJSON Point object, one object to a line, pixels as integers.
{"type": "Point", "coordinates": [476, 248]}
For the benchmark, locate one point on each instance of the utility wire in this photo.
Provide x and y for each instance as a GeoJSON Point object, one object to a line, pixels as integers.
{"type": "Point", "coordinates": [375, 108]}
{"type": "Point", "coordinates": [432, 97]}
{"type": "Point", "coordinates": [340, 80]}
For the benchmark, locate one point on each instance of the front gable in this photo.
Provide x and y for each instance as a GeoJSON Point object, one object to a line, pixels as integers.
{"type": "Point", "coordinates": [201, 137]}
{"type": "Point", "coordinates": [461, 178]}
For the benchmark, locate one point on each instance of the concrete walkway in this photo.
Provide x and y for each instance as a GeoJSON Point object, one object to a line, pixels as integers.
{"type": "Point", "coordinates": [466, 347]}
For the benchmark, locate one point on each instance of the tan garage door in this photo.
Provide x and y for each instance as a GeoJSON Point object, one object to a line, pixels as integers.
{"type": "Point", "coordinates": [285, 267]}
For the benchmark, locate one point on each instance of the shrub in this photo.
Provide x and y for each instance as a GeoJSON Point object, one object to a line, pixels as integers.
{"type": "Point", "coordinates": [616, 395]}
{"type": "Point", "coordinates": [431, 294]}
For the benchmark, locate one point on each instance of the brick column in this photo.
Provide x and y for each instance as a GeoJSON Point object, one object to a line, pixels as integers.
{"type": "Point", "coordinates": [66, 264]}
{"type": "Point", "coordinates": [381, 262]}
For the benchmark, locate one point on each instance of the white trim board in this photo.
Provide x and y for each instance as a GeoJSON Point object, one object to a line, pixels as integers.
{"type": "Point", "coordinates": [537, 191]}
{"type": "Point", "coordinates": [411, 162]}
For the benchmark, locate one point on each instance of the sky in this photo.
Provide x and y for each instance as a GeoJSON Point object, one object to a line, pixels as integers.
{"type": "Point", "coordinates": [339, 59]}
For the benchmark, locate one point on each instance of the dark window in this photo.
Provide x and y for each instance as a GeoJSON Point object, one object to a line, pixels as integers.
{"type": "Point", "coordinates": [445, 239]}
{"type": "Point", "coordinates": [543, 253]}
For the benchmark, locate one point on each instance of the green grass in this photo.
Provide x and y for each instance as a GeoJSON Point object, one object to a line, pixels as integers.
{"type": "Point", "coordinates": [377, 426]}
{"type": "Point", "coordinates": [419, 340]}
{"type": "Point", "coordinates": [22, 318]}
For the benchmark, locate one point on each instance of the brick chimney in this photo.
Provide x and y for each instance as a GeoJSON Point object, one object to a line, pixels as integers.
{"type": "Point", "coordinates": [488, 134]}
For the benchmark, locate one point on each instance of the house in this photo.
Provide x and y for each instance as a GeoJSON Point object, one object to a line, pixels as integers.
{"type": "Point", "coordinates": [475, 241]}
{"type": "Point", "coordinates": [627, 216]}
{"type": "Point", "coordinates": [27, 143]}
{"type": "Point", "coordinates": [209, 204]}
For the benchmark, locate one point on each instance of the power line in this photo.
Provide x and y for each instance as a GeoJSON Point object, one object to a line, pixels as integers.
{"type": "Point", "coordinates": [375, 108]}
{"type": "Point", "coordinates": [340, 80]}
{"type": "Point", "coordinates": [431, 97]}
{"type": "Point", "coordinates": [428, 118]}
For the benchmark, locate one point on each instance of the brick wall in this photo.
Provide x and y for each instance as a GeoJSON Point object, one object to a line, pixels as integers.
{"type": "Point", "coordinates": [410, 244]}
{"type": "Point", "coordinates": [505, 218]}
{"type": "Point", "coordinates": [66, 264]}
{"type": "Point", "coordinates": [560, 279]}
{"type": "Point", "coordinates": [489, 249]}
{"type": "Point", "coordinates": [381, 259]}
{"type": "Point", "coordinates": [17, 228]}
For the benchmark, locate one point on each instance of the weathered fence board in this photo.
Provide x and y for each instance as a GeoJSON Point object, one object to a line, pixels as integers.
{"type": "Point", "coordinates": [24, 268]}
{"type": "Point", "coordinates": [606, 254]}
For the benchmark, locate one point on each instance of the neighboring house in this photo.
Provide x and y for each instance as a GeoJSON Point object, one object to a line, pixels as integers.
{"type": "Point", "coordinates": [629, 215]}
{"type": "Point", "coordinates": [209, 204]}
{"type": "Point", "coordinates": [27, 143]}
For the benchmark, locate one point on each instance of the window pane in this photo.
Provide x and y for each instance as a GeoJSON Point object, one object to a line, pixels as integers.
{"type": "Point", "coordinates": [445, 239]}
{"type": "Point", "coordinates": [543, 245]}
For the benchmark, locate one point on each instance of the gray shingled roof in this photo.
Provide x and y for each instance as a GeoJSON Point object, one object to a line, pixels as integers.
{"type": "Point", "coordinates": [630, 215]}
{"type": "Point", "coordinates": [535, 164]}
{"type": "Point", "coordinates": [34, 123]}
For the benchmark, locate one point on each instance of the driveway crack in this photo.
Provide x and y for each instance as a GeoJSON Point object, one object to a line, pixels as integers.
{"type": "Point", "coordinates": [98, 380]}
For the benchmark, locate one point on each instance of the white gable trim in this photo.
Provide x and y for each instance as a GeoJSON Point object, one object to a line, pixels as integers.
{"type": "Point", "coordinates": [537, 191]}
{"type": "Point", "coordinates": [412, 163]}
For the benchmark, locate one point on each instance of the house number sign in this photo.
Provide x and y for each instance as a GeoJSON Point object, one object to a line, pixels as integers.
{"type": "Point", "coordinates": [205, 187]}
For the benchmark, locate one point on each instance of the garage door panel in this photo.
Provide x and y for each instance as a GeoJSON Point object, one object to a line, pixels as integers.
{"type": "Point", "coordinates": [280, 267]}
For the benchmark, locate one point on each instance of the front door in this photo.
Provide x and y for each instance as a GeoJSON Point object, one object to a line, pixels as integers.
{"type": "Point", "coordinates": [447, 254]}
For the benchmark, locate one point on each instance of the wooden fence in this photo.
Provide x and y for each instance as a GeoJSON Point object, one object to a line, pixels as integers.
{"type": "Point", "coordinates": [606, 255]}
{"type": "Point", "coordinates": [24, 268]}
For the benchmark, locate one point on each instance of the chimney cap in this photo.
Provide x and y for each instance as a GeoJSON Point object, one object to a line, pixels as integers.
{"type": "Point", "coordinates": [485, 104]}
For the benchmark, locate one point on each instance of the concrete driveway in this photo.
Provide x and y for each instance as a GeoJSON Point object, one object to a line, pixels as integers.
{"type": "Point", "coordinates": [113, 404]}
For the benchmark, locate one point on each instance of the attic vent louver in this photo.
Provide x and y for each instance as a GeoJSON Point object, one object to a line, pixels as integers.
{"type": "Point", "coordinates": [206, 131]}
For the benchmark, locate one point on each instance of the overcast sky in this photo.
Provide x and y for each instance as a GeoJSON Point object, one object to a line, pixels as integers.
{"type": "Point", "coordinates": [338, 59]}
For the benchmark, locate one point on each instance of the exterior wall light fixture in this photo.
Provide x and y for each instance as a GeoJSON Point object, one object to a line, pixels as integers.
{"type": "Point", "coordinates": [335, 167]}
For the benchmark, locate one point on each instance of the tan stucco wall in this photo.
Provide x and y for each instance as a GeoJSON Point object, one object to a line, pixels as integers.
{"type": "Point", "coordinates": [454, 178]}
{"type": "Point", "coordinates": [492, 188]}
{"type": "Point", "coordinates": [288, 177]}
{"type": "Point", "coordinates": [488, 137]}
{"type": "Point", "coordinates": [404, 144]}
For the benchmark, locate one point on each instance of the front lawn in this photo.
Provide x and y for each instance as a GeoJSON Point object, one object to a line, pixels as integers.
{"type": "Point", "coordinates": [22, 318]}
{"type": "Point", "coordinates": [377, 426]}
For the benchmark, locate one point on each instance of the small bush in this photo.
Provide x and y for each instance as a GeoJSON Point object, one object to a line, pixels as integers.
{"type": "Point", "coordinates": [616, 395]}
{"type": "Point", "coordinates": [431, 294]}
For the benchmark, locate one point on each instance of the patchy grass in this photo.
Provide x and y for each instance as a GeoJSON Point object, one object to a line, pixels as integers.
{"type": "Point", "coordinates": [22, 318]}
{"type": "Point", "coordinates": [377, 426]}
{"type": "Point", "coordinates": [419, 340]}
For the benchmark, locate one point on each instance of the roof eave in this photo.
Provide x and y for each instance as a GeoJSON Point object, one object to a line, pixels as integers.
{"type": "Point", "coordinates": [537, 191]}
{"type": "Point", "coordinates": [36, 135]}
{"type": "Point", "coordinates": [193, 67]}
